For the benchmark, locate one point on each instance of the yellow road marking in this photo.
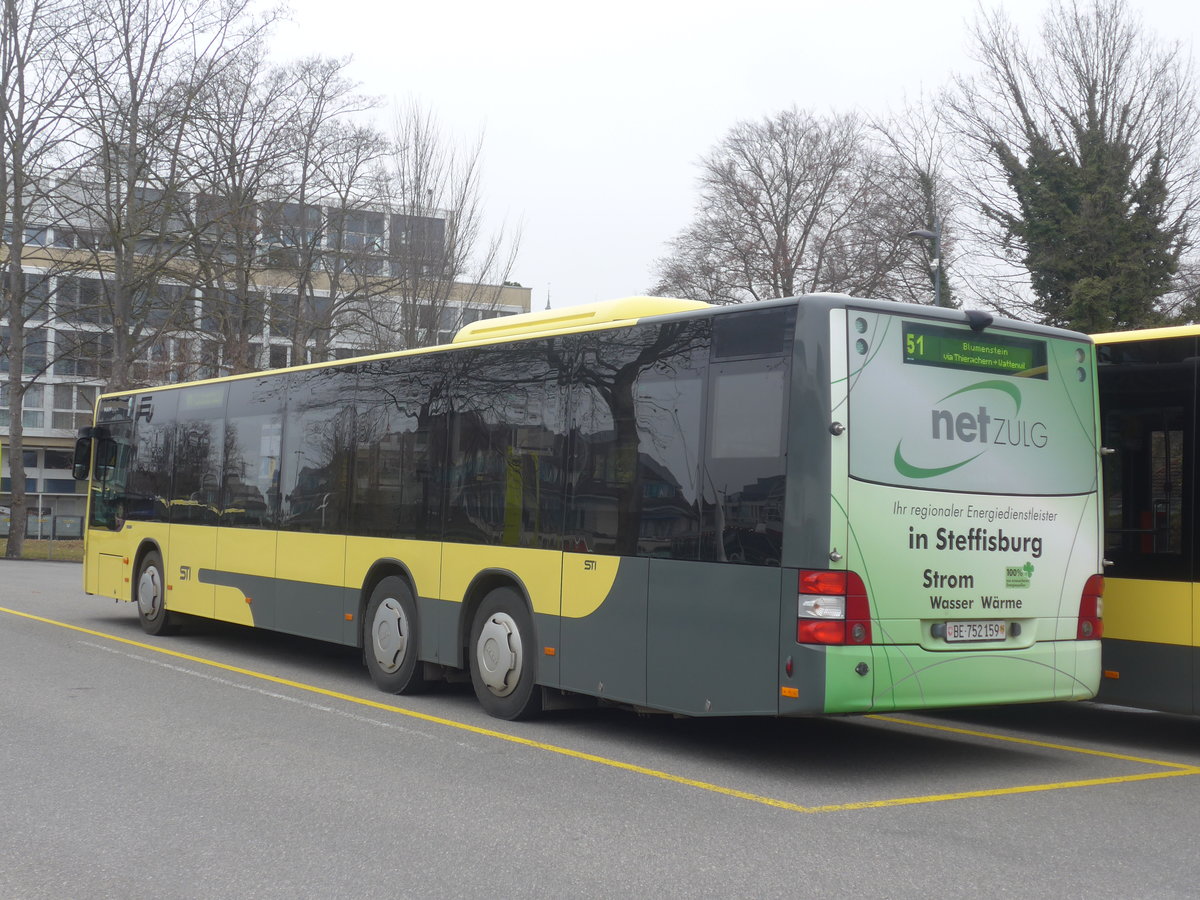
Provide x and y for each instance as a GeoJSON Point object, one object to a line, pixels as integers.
{"type": "Point", "coordinates": [1175, 769]}
{"type": "Point", "coordinates": [1017, 740]}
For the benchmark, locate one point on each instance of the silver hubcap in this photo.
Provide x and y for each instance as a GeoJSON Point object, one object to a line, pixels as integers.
{"type": "Point", "coordinates": [149, 596]}
{"type": "Point", "coordinates": [389, 635]}
{"type": "Point", "coordinates": [499, 654]}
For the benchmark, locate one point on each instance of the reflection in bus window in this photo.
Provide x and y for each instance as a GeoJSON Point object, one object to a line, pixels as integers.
{"type": "Point", "coordinates": [400, 447]}
{"type": "Point", "coordinates": [507, 441]}
{"type": "Point", "coordinates": [317, 447]}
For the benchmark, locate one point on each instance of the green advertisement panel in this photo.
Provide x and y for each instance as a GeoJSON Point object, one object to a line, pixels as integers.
{"type": "Point", "coordinates": [941, 407]}
{"type": "Point", "coordinates": [973, 480]}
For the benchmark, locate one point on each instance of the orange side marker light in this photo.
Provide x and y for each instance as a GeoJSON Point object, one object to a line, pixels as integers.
{"type": "Point", "coordinates": [550, 651]}
{"type": "Point", "coordinates": [792, 692]}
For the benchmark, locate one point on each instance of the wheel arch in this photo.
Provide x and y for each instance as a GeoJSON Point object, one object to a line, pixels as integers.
{"type": "Point", "coordinates": [147, 546]}
{"type": "Point", "coordinates": [481, 585]}
{"type": "Point", "coordinates": [380, 569]}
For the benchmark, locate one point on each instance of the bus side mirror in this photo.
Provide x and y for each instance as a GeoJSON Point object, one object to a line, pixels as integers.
{"type": "Point", "coordinates": [83, 458]}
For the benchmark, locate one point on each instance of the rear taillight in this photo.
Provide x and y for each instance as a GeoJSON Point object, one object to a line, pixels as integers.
{"type": "Point", "coordinates": [1091, 610]}
{"type": "Point", "coordinates": [832, 608]}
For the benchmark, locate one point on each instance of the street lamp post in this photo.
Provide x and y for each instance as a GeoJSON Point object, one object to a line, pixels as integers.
{"type": "Point", "coordinates": [936, 262]}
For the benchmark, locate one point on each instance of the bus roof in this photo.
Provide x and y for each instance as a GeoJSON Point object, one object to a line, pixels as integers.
{"type": "Point", "coordinates": [1147, 334]}
{"type": "Point", "coordinates": [605, 312]}
{"type": "Point", "coordinates": [584, 317]}
{"type": "Point", "coordinates": [624, 312]}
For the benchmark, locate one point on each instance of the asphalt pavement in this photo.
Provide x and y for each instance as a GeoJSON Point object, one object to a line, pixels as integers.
{"type": "Point", "coordinates": [227, 762]}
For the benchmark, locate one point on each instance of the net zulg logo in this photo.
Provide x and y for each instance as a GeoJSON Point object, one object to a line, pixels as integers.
{"type": "Point", "coordinates": [976, 430]}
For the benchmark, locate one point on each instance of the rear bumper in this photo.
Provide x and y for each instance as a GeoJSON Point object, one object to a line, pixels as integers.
{"type": "Point", "coordinates": [909, 677]}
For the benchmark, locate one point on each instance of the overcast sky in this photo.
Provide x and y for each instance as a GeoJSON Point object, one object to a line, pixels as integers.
{"type": "Point", "coordinates": [593, 115]}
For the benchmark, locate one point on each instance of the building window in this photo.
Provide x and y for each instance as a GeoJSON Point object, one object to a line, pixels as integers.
{"type": "Point", "coordinates": [358, 236]}
{"type": "Point", "coordinates": [229, 314]}
{"type": "Point", "coordinates": [81, 300]}
{"type": "Point", "coordinates": [33, 414]}
{"type": "Point", "coordinates": [166, 306]}
{"type": "Point", "coordinates": [58, 460]}
{"type": "Point", "coordinates": [36, 303]}
{"type": "Point", "coordinates": [291, 225]}
{"type": "Point", "coordinates": [35, 236]}
{"type": "Point", "coordinates": [81, 354]}
{"type": "Point", "coordinates": [35, 350]}
{"type": "Point", "coordinates": [73, 404]}
{"type": "Point", "coordinates": [283, 315]}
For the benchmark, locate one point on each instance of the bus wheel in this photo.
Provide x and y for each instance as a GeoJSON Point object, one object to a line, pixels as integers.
{"type": "Point", "coordinates": [502, 657]}
{"type": "Point", "coordinates": [151, 597]}
{"type": "Point", "coordinates": [390, 644]}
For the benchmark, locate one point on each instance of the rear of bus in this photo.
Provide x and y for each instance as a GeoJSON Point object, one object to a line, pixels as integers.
{"type": "Point", "coordinates": [964, 515]}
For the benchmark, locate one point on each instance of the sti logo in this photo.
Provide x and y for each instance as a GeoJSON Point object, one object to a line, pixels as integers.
{"type": "Point", "coordinates": [975, 430]}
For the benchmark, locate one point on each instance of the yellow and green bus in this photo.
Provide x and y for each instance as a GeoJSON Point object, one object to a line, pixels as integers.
{"type": "Point", "coordinates": [794, 507]}
{"type": "Point", "coordinates": [1151, 652]}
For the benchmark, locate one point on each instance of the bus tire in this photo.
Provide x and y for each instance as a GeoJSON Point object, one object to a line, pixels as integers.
{"type": "Point", "coordinates": [150, 593]}
{"type": "Point", "coordinates": [390, 642]}
{"type": "Point", "coordinates": [503, 661]}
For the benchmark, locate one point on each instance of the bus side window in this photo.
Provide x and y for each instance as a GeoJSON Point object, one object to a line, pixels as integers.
{"type": "Point", "coordinates": [317, 447]}
{"type": "Point", "coordinates": [744, 466]}
{"type": "Point", "coordinates": [152, 466]}
{"type": "Point", "coordinates": [507, 442]}
{"type": "Point", "coordinates": [744, 471]}
{"type": "Point", "coordinates": [400, 449]}
{"type": "Point", "coordinates": [253, 437]}
{"type": "Point", "coordinates": [636, 420]}
{"type": "Point", "coordinates": [1147, 394]}
{"type": "Point", "coordinates": [199, 437]}
{"type": "Point", "coordinates": [110, 462]}
{"type": "Point", "coordinates": [1144, 481]}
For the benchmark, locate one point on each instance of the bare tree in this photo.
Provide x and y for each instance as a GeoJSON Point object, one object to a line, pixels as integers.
{"type": "Point", "coordinates": [295, 220]}
{"type": "Point", "coordinates": [442, 266]}
{"type": "Point", "coordinates": [353, 267]}
{"type": "Point", "coordinates": [917, 139]}
{"type": "Point", "coordinates": [35, 80]}
{"type": "Point", "coordinates": [239, 147]}
{"type": "Point", "coordinates": [144, 64]}
{"type": "Point", "coordinates": [1100, 98]}
{"type": "Point", "coordinates": [791, 204]}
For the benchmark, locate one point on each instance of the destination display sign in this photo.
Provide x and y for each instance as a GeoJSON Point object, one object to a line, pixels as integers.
{"type": "Point", "coordinates": [953, 348]}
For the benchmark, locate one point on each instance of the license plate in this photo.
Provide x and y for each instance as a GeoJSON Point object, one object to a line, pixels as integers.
{"type": "Point", "coordinates": [967, 632]}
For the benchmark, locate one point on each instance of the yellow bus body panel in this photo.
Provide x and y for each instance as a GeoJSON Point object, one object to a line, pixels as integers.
{"type": "Point", "coordinates": [1159, 612]}
{"type": "Point", "coordinates": [102, 546]}
{"type": "Point", "coordinates": [540, 571]}
{"type": "Point", "coordinates": [245, 551]}
{"type": "Point", "coordinates": [587, 580]}
{"type": "Point", "coordinates": [316, 558]}
{"type": "Point", "coordinates": [423, 559]}
{"type": "Point", "coordinates": [191, 548]}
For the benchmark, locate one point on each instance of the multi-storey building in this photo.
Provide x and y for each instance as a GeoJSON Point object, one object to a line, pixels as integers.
{"type": "Point", "coordinates": [366, 295]}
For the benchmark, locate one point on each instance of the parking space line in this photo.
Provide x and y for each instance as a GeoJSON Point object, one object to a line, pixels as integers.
{"type": "Point", "coordinates": [933, 726]}
{"type": "Point", "coordinates": [1174, 769]}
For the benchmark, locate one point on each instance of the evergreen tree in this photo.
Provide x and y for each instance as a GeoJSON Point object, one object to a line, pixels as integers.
{"type": "Point", "coordinates": [1097, 241]}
